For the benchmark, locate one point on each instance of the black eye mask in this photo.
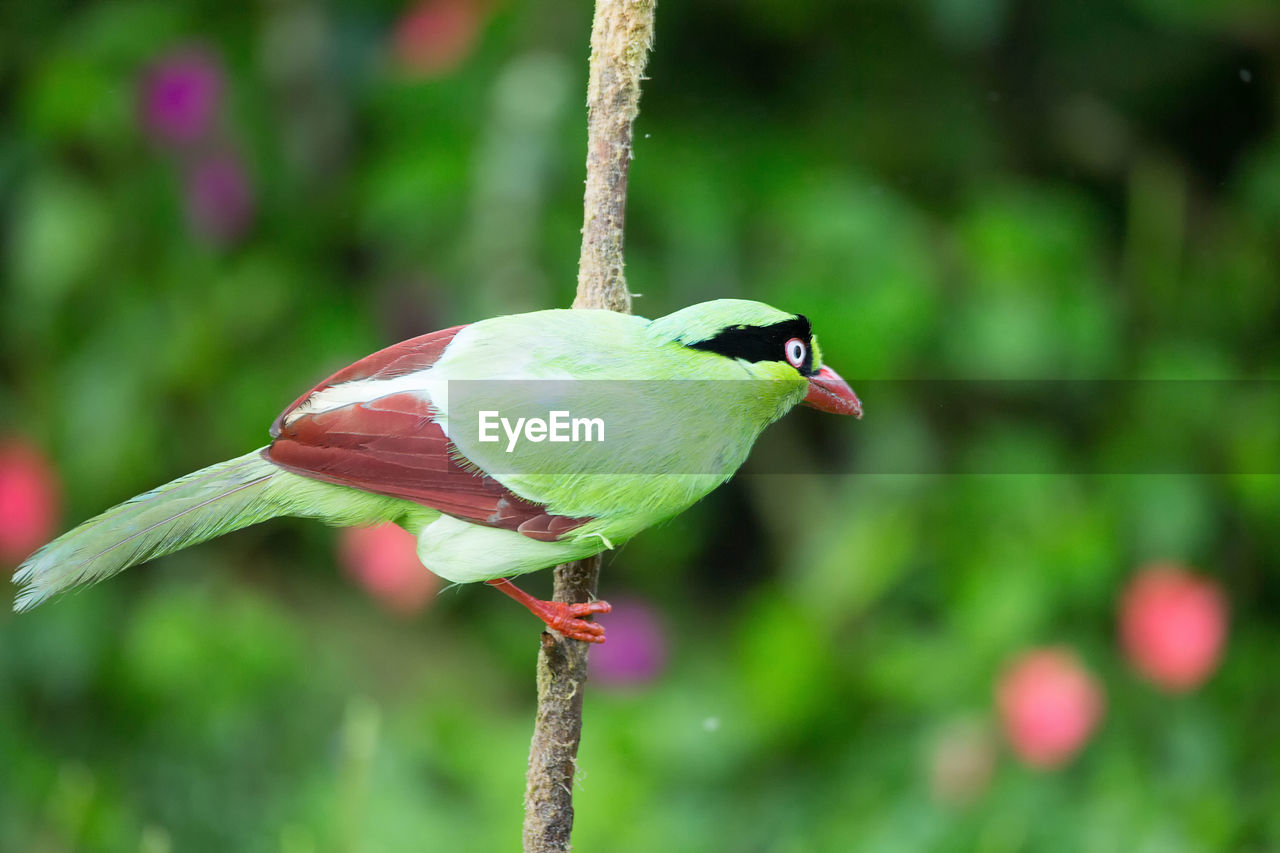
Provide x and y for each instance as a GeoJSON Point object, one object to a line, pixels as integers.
{"type": "Point", "coordinates": [762, 343]}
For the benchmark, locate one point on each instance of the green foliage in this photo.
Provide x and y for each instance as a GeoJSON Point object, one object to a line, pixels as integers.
{"type": "Point", "coordinates": [949, 190]}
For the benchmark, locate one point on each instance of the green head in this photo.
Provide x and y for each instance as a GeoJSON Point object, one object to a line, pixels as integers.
{"type": "Point", "coordinates": [766, 343]}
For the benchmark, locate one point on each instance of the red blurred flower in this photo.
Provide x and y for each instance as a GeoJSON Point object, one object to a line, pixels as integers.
{"type": "Point", "coordinates": [1049, 704]}
{"type": "Point", "coordinates": [636, 650]}
{"type": "Point", "coordinates": [28, 500]}
{"type": "Point", "coordinates": [219, 197]}
{"type": "Point", "coordinates": [435, 36]}
{"type": "Point", "coordinates": [180, 96]}
{"type": "Point", "coordinates": [1173, 625]}
{"type": "Point", "coordinates": [384, 560]}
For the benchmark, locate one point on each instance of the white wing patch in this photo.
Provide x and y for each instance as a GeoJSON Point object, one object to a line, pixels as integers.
{"type": "Point", "coordinates": [469, 356]}
{"type": "Point", "coordinates": [368, 390]}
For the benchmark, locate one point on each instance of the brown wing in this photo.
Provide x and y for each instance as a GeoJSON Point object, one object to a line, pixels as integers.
{"type": "Point", "coordinates": [396, 360]}
{"type": "Point", "coordinates": [389, 445]}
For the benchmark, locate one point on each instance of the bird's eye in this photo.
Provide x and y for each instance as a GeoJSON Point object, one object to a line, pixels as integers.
{"type": "Point", "coordinates": [796, 351]}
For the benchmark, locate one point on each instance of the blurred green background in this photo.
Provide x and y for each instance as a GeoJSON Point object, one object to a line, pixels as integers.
{"type": "Point", "coordinates": [207, 207]}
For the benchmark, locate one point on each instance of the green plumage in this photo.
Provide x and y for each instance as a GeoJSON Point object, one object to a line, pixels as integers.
{"type": "Point", "coordinates": [682, 420]}
{"type": "Point", "coordinates": [199, 506]}
{"type": "Point", "coordinates": [204, 505]}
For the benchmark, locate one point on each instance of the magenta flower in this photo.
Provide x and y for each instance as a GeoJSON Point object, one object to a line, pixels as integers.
{"type": "Point", "coordinates": [181, 97]}
{"type": "Point", "coordinates": [28, 500]}
{"type": "Point", "coordinates": [1049, 705]}
{"type": "Point", "coordinates": [384, 561]}
{"type": "Point", "coordinates": [219, 198]}
{"type": "Point", "coordinates": [636, 652]}
{"type": "Point", "coordinates": [1173, 626]}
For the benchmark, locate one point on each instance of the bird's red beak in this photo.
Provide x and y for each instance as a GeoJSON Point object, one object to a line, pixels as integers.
{"type": "Point", "coordinates": [829, 393]}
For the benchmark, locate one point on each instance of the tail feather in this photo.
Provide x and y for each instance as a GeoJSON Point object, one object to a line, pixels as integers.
{"type": "Point", "coordinates": [199, 506]}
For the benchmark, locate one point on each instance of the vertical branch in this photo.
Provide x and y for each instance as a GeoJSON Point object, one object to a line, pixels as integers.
{"type": "Point", "coordinates": [553, 754]}
{"type": "Point", "coordinates": [620, 37]}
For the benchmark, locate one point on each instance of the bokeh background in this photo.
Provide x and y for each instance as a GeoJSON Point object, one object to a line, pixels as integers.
{"type": "Point", "coordinates": [207, 207]}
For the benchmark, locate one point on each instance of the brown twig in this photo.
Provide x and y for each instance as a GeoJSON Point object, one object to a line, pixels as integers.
{"type": "Point", "coordinates": [620, 37]}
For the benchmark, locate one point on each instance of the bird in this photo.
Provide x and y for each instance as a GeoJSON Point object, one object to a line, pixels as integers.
{"type": "Point", "coordinates": [420, 434]}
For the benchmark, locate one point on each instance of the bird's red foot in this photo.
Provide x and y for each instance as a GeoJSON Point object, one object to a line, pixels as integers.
{"type": "Point", "coordinates": [559, 616]}
{"type": "Point", "coordinates": [567, 619]}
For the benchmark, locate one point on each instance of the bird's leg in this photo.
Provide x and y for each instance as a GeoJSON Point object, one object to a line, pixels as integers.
{"type": "Point", "coordinates": [560, 616]}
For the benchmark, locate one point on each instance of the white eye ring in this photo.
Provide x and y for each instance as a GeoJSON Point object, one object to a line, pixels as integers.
{"type": "Point", "coordinates": [796, 351]}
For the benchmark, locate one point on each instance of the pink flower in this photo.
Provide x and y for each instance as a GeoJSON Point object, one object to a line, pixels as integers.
{"type": "Point", "coordinates": [1049, 705]}
{"type": "Point", "coordinates": [28, 500]}
{"type": "Point", "coordinates": [180, 96]}
{"type": "Point", "coordinates": [384, 560]}
{"type": "Point", "coordinates": [435, 36]}
{"type": "Point", "coordinates": [1173, 625]}
{"type": "Point", "coordinates": [636, 649]}
{"type": "Point", "coordinates": [219, 198]}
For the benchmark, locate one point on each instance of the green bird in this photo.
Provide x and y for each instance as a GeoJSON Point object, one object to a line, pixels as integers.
{"type": "Point", "coordinates": [441, 435]}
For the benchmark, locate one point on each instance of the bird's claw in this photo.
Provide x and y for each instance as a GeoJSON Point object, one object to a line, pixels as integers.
{"type": "Point", "coordinates": [566, 620]}
{"type": "Point", "coordinates": [559, 616]}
